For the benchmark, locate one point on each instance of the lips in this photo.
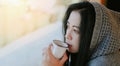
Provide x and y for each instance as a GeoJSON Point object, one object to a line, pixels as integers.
{"type": "Point", "coordinates": [69, 45]}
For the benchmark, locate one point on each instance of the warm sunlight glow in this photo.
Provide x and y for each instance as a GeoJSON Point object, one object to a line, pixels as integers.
{"type": "Point", "coordinates": [12, 2]}
{"type": "Point", "coordinates": [45, 5]}
{"type": "Point", "coordinates": [20, 17]}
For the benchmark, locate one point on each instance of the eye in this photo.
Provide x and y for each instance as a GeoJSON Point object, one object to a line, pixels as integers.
{"type": "Point", "coordinates": [76, 31]}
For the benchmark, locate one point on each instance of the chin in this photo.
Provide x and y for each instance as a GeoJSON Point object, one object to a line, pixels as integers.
{"type": "Point", "coordinates": [71, 51]}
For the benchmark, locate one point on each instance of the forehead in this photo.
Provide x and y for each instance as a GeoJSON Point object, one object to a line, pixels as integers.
{"type": "Point", "coordinates": [74, 18]}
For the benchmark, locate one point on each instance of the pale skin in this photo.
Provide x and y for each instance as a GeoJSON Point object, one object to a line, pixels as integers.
{"type": "Point", "coordinates": [50, 60]}
{"type": "Point", "coordinates": [72, 39]}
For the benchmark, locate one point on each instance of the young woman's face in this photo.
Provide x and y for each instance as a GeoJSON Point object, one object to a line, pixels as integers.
{"type": "Point", "coordinates": [73, 33]}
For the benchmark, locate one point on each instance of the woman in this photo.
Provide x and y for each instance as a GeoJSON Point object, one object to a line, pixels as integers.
{"type": "Point", "coordinates": [92, 34]}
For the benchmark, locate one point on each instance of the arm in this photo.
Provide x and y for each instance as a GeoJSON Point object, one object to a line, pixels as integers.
{"type": "Point", "coordinates": [108, 60]}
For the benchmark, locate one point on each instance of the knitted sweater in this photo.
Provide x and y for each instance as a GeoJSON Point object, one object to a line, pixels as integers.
{"type": "Point", "coordinates": [105, 42]}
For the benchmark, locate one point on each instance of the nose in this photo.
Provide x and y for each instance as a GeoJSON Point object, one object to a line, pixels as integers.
{"type": "Point", "coordinates": [68, 35]}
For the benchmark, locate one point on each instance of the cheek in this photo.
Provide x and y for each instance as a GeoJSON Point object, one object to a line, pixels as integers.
{"type": "Point", "coordinates": [76, 43]}
{"type": "Point", "coordinates": [76, 39]}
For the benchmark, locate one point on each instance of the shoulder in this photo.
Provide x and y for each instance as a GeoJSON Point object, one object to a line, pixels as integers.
{"type": "Point", "coordinates": [108, 60]}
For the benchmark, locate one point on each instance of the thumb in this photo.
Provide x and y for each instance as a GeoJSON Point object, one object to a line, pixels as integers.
{"type": "Point", "coordinates": [65, 57]}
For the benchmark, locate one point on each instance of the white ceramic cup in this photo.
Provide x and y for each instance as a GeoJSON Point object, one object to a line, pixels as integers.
{"type": "Point", "coordinates": [59, 48]}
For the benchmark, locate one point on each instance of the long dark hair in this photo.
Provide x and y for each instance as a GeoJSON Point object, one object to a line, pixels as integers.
{"type": "Point", "coordinates": [87, 13]}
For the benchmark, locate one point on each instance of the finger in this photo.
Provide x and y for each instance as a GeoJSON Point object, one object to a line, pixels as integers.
{"type": "Point", "coordinates": [44, 50]}
{"type": "Point", "coordinates": [50, 53]}
{"type": "Point", "coordinates": [65, 57]}
{"type": "Point", "coordinates": [46, 54]}
{"type": "Point", "coordinates": [49, 50]}
{"type": "Point", "coordinates": [50, 45]}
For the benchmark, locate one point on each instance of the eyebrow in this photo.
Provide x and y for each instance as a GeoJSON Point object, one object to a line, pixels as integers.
{"type": "Point", "coordinates": [76, 26]}
{"type": "Point", "coordinates": [73, 25]}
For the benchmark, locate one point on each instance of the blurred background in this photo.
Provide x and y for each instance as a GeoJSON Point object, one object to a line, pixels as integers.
{"type": "Point", "coordinates": [27, 26]}
{"type": "Point", "coordinates": [21, 17]}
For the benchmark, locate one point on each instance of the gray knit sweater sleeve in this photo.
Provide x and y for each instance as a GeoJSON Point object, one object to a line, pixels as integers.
{"type": "Point", "coordinates": [108, 60]}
